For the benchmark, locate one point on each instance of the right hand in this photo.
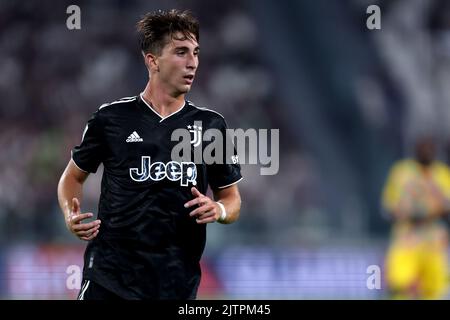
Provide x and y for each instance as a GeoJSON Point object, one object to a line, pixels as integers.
{"type": "Point", "coordinates": [84, 231]}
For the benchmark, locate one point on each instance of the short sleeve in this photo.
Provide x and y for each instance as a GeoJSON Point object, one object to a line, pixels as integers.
{"type": "Point", "coordinates": [227, 173]}
{"type": "Point", "coordinates": [88, 154]}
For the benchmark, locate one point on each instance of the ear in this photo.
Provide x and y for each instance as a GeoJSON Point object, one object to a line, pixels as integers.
{"type": "Point", "coordinates": [151, 61]}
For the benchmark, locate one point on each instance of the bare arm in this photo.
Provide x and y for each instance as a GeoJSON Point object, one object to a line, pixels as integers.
{"type": "Point", "coordinates": [69, 194]}
{"type": "Point", "coordinates": [70, 186]}
{"type": "Point", "coordinates": [231, 199]}
{"type": "Point", "coordinates": [210, 211]}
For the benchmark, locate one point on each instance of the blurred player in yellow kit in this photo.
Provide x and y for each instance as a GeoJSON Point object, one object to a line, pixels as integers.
{"type": "Point", "coordinates": [417, 196]}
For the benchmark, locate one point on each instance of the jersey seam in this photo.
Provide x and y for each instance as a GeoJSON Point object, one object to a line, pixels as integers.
{"type": "Point", "coordinates": [229, 185]}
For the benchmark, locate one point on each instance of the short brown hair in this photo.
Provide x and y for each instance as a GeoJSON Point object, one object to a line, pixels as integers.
{"type": "Point", "coordinates": [155, 28]}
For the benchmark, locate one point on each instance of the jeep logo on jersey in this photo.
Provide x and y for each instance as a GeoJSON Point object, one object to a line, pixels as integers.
{"type": "Point", "coordinates": [184, 171]}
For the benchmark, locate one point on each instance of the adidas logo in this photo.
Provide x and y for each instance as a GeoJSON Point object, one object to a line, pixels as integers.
{"type": "Point", "coordinates": [134, 137]}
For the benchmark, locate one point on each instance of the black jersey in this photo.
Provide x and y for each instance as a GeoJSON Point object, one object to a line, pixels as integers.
{"type": "Point", "coordinates": [148, 246]}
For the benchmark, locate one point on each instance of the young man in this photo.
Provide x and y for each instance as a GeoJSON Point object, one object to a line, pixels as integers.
{"type": "Point", "coordinates": [417, 194]}
{"type": "Point", "coordinates": [151, 228]}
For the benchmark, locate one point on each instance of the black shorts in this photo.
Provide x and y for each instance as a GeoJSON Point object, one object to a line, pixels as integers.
{"type": "Point", "coordinates": [93, 291]}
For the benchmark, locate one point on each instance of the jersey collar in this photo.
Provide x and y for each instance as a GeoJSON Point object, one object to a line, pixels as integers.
{"type": "Point", "coordinates": [161, 118]}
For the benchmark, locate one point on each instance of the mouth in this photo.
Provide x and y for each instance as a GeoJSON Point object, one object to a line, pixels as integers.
{"type": "Point", "coordinates": [189, 78]}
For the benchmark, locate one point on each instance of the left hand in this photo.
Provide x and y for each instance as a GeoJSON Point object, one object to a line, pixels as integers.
{"type": "Point", "coordinates": [208, 210]}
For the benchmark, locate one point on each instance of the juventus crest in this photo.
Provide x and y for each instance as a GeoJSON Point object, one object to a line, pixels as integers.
{"type": "Point", "coordinates": [196, 133]}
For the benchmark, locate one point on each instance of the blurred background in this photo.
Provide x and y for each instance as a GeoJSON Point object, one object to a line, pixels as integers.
{"type": "Point", "coordinates": [348, 102]}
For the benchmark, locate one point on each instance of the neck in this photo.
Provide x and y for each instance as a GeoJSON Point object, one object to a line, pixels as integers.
{"type": "Point", "coordinates": [162, 101]}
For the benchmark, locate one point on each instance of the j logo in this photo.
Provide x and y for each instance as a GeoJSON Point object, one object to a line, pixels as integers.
{"type": "Point", "coordinates": [196, 130]}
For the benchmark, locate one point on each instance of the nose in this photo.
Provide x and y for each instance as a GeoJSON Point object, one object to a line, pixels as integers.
{"type": "Point", "coordinates": [192, 61]}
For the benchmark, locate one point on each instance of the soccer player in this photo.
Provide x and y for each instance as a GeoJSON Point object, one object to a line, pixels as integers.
{"type": "Point", "coordinates": [150, 233]}
{"type": "Point", "coordinates": [417, 195]}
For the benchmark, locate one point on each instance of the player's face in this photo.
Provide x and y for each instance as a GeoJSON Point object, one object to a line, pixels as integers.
{"type": "Point", "coordinates": [178, 63]}
{"type": "Point", "coordinates": [425, 151]}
